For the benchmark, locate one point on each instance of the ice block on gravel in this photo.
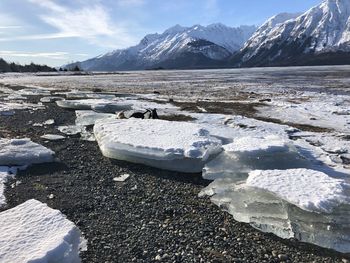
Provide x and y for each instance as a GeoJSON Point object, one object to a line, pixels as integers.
{"type": "Point", "coordinates": [34, 232]}
{"type": "Point", "coordinates": [23, 152]}
{"type": "Point", "coordinates": [297, 203]}
{"type": "Point", "coordinates": [176, 146]}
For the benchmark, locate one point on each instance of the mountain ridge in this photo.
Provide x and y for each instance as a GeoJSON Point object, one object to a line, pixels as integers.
{"type": "Point", "coordinates": [319, 36]}
{"type": "Point", "coordinates": [156, 49]}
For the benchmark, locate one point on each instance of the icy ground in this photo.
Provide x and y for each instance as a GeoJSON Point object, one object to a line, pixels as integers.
{"type": "Point", "coordinates": [275, 142]}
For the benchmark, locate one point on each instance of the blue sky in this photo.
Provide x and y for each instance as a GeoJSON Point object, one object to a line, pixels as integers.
{"type": "Point", "coordinates": [55, 32]}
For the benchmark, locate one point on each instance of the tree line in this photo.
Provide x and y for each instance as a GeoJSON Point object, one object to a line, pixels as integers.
{"type": "Point", "coordinates": [13, 67]}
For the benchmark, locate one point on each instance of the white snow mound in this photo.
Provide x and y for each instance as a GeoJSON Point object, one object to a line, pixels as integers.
{"type": "Point", "coordinates": [176, 146]}
{"type": "Point", "coordinates": [23, 152]}
{"type": "Point", "coordinates": [33, 232]}
{"type": "Point", "coordinates": [308, 189]}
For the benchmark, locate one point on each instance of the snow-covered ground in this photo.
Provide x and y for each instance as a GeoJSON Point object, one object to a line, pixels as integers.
{"type": "Point", "coordinates": [281, 164]}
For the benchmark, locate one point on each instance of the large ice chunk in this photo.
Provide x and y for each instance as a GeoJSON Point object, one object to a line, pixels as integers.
{"type": "Point", "coordinates": [177, 146]}
{"type": "Point", "coordinates": [33, 232]}
{"type": "Point", "coordinates": [296, 203]}
{"type": "Point", "coordinates": [23, 152]}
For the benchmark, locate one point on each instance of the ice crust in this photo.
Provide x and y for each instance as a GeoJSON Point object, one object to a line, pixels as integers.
{"type": "Point", "coordinates": [23, 152]}
{"type": "Point", "coordinates": [33, 232]}
{"type": "Point", "coordinates": [177, 146]}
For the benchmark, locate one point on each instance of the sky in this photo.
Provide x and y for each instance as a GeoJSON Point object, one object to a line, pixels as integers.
{"type": "Point", "coordinates": [55, 32]}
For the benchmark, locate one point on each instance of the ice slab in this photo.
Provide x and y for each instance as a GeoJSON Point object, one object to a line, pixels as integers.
{"type": "Point", "coordinates": [9, 108]}
{"type": "Point", "coordinates": [308, 189]}
{"type": "Point", "coordinates": [34, 232]}
{"type": "Point", "coordinates": [34, 91]}
{"type": "Point", "coordinates": [253, 152]}
{"type": "Point", "coordinates": [177, 146]}
{"type": "Point", "coordinates": [77, 129]}
{"type": "Point", "coordinates": [112, 107]}
{"type": "Point", "coordinates": [23, 152]}
{"type": "Point", "coordinates": [88, 117]}
{"type": "Point", "coordinates": [52, 137]}
{"type": "Point", "coordinates": [76, 94]}
{"type": "Point", "coordinates": [84, 104]}
{"type": "Point", "coordinates": [258, 144]}
{"type": "Point", "coordinates": [121, 178]}
{"type": "Point", "coordinates": [50, 99]}
{"type": "Point", "coordinates": [71, 129]}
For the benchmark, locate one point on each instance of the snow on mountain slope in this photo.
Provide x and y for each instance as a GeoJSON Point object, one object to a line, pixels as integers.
{"type": "Point", "coordinates": [215, 42]}
{"type": "Point", "coordinates": [264, 31]}
{"type": "Point", "coordinates": [323, 28]}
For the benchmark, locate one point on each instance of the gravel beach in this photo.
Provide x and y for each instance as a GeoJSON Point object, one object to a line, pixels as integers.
{"type": "Point", "coordinates": [153, 216]}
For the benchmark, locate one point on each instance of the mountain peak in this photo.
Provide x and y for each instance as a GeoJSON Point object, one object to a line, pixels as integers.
{"type": "Point", "coordinates": [324, 28]}
{"type": "Point", "coordinates": [175, 29]}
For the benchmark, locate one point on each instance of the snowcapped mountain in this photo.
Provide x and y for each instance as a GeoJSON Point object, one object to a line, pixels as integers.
{"type": "Point", "coordinates": [178, 47]}
{"type": "Point", "coordinates": [319, 36]}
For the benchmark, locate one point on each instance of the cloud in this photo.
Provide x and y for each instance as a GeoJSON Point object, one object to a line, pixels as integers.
{"type": "Point", "coordinates": [91, 22]}
{"type": "Point", "coordinates": [49, 55]}
{"type": "Point", "coordinates": [10, 27]}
